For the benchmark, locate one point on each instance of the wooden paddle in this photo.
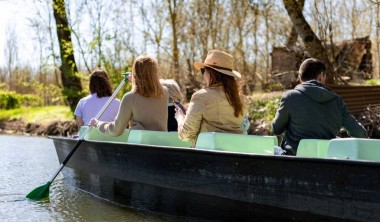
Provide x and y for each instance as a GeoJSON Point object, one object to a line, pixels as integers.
{"type": "Point", "coordinates": [42, 192]}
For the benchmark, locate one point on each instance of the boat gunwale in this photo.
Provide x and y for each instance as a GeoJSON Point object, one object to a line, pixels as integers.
{"type": "Point", "coordinates": [229, 153]}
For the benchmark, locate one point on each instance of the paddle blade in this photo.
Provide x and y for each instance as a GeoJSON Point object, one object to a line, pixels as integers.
{"type": "Point", "coordinates": [39, 193]}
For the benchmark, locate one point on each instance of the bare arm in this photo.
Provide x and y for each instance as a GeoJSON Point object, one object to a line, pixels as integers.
{"type": "Point", "coordinates": [79, 121]}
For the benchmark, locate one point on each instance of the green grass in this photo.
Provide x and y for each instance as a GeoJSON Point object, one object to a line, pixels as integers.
{"type": "Point", "coordinates": [39, 115]}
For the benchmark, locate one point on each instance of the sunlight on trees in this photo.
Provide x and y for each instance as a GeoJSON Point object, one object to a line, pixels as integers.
{"type": "Point", "coordinates": [110, 34]}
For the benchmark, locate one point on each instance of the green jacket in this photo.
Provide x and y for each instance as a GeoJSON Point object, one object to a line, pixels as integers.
{"type": "Point", "coordinates": [313, 111]}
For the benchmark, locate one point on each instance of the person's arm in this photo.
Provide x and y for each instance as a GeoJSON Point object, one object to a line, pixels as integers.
{"type": "Point", "coordinates": [354, 128]}
{"type": "Point", "coordinates": [79, 121]}
{"type": "Point", "coordinates": [117, 127]}
{"type": "Point", "coordinates": [189, 127]}
{"type": "Point", "coordinates": [79, 114]}
{"type": "Point", "coordinates": [281, 119]}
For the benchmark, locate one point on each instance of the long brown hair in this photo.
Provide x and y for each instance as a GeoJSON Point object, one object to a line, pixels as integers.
{"type": "Point", "coordinates": [232, 89]}
{"type": "Point", "coordinates": [145, 79]}
{"type": "Point", "coordinates": [100, 83]}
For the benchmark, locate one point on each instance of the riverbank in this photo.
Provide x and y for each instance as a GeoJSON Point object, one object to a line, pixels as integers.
{"type": "Point", "coordinates": [59, 121]}
{"type": "Point", "coordinates": [52, 128]}
{"type": "Point", "coordinates": [38, 121]}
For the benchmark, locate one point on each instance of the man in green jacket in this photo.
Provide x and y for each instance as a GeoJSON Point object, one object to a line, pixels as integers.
{"type": "Point", "coordinates": [313, 111]}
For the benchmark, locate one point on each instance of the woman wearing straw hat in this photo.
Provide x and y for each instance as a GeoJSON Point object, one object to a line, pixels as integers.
{"type": "Point", "coordinates": [220, 106]}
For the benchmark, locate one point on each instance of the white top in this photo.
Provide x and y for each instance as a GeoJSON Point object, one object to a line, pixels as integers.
{"type": "Point", "coordinates": [89, 106]}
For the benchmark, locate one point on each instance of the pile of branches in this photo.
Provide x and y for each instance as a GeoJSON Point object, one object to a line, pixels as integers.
{"type": "Point", "coordinates": [370, 119]}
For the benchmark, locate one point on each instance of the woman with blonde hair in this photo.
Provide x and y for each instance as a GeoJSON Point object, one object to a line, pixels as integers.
{"type": "Point", "coordinates": [145, 106]}
{"type": "Point", "coordinates": [175, 95]}
{"type": "Point", "coordinates": [220, 106]}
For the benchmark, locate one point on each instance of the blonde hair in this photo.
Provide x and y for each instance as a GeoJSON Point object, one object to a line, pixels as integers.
{"type": "Point", "coordinates": [145, 79]}
{"type": "Point", "coordinates": [175, 94]}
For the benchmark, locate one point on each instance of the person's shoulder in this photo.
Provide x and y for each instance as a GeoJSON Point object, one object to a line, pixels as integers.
{"type": "Point", "coordinates": [130, 96]}
{"type": "Point", "coordinates": [291, 93]}
{"type": "Point", "coordinates": [86, 98]}
{"type": "Point", "coordinates": [116, 100]}
{"type": "Point", "coordinates": [89, 96]}
{"type": "Point", "coordinates": [200, 93]}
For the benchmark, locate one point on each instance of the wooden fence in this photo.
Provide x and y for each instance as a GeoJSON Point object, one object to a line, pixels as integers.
{"type": "Point", "coordinates": [358, 98]}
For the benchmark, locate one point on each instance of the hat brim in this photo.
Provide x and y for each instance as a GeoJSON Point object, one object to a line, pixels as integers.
{"type": "Point", "coordinates": [199, 65]}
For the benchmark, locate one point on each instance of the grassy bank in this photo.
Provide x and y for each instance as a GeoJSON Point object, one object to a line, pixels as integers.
{"type": "Point", "coordinates": [40, 115]}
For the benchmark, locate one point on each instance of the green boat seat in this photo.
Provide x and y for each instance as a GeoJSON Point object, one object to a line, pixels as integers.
{"type": "Point", "coordinates": [237, 143]}
{"type": "Point", "coordinates": [313, 148]}
{"type": "Point", "coordinates": [354, 149]}
{"type": "Point", "coordinates": [156, 138]}
{"type": "Point", "coordinates": [95, 135]}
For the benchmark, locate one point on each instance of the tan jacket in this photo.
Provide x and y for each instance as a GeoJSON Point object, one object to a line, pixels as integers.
{"type": "Point", "coordinates": [209, 111]}
{"type": "Point", "coordinates": [138, 112]}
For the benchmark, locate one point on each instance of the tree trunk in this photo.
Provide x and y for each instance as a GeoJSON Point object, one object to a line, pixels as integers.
{"type": "Point", "coordinates": [311, 41]}
{"type": "Point", "coordinates": [173, 9]}
{"type": "Point", "coordinates": [293, 33]}
{"type": "Point", "coordinates": [72, 88]}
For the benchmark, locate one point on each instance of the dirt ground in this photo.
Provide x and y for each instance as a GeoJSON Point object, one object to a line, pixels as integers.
{"type": "Point", "coordinates": [54, 128]}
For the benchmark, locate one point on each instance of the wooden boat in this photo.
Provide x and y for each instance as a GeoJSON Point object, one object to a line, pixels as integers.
{"type": "Point", "coordinates": [147, 171]}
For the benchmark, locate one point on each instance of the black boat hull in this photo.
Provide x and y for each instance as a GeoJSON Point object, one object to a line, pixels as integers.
{"type": "Point", "coordinates": [225, 186]}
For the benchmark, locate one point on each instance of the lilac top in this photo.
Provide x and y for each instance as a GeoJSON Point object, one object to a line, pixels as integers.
{"type": "Point", "coordinates": [89, 106]}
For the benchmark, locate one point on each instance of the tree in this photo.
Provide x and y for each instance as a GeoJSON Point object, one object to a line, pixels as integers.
{"type": "Point", "coordinates": [174, 9]}
{"type": "Point", "coordinates": [293, 33]}
{"type": "Point", "coordinates": [312, 43]}
{"type": "Point", "coordinates": [11, 54]}
{"type": "Point", "coordinates": [72, 88]}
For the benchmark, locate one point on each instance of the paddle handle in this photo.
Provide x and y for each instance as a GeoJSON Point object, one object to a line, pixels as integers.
{"type": "Point", "coordinates": [81, 137]}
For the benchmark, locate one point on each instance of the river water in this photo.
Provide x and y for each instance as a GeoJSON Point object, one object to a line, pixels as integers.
{"type": "Point", "coordinates": [29, 162]}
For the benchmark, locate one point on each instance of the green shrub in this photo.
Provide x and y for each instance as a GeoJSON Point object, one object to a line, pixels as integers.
{"type": "Point", "coordinates": [31, 100]}
{"type": "Point", "coordinates": [264, 109]}
{"type": "Point", "coordinates": [9, 100]}
{"type": "Point", "coordinates": [372, 82]}
{"type": "Point", "coordinates": [274, 86]}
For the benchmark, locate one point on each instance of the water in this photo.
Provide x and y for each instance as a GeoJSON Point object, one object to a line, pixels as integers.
{"type": "Point", "coordinates": [29, 162]}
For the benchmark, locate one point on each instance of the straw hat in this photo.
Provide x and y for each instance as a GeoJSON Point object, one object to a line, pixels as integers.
{"type": "Point", "coordinates": [219, 61]}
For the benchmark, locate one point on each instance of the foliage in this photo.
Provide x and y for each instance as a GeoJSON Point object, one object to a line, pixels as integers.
{"type": "Point", "coordinates": [273, 86]}
{"type": "Point", "coordinates": [264, 110]}
{"type": "Point", "coordinates": [12, 100]}
{"type": "Point", "coordinates": [3, 86]}
{"type": "Point", "coordinates": [30, 100]}
{"type": "Point", "coordinates": [9, 100]}
{"type": "Point", "coordinates": [38, 114]}
{"type": "Point", "coordinates": [372, 82]}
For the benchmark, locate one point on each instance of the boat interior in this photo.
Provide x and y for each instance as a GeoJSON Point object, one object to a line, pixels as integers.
{"type": "Point", "coordinates": [339, 148]}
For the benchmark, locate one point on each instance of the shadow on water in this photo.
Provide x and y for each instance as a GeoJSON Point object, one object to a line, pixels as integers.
{"type": "Point", "coordinates": [28, 162]}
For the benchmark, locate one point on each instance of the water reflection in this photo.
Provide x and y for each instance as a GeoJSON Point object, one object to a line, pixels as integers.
{"type": "Point", "coordinates": [29, 162]}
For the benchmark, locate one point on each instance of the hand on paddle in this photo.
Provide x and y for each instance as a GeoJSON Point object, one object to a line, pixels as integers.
{"type": "Point", "coordinates": [93, 122]}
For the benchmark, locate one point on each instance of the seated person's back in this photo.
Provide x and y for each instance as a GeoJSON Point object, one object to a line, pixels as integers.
{"type": "Point", "coordinates": [220, 107]}
{"type": "Point", "coordinates": [89, 106]}
{"type": "Point", "coordinates": [313, 111]}
{"type": "Point", "coordinates": [145, 107]}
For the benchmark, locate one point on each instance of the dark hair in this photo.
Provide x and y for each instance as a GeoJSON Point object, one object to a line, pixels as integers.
{"type": "Point", "coordinates": [311, 68]}
{"type": "Point", "coordinates": [232, 89]}
{"type": "Point", "coordinates": [100, 83]}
